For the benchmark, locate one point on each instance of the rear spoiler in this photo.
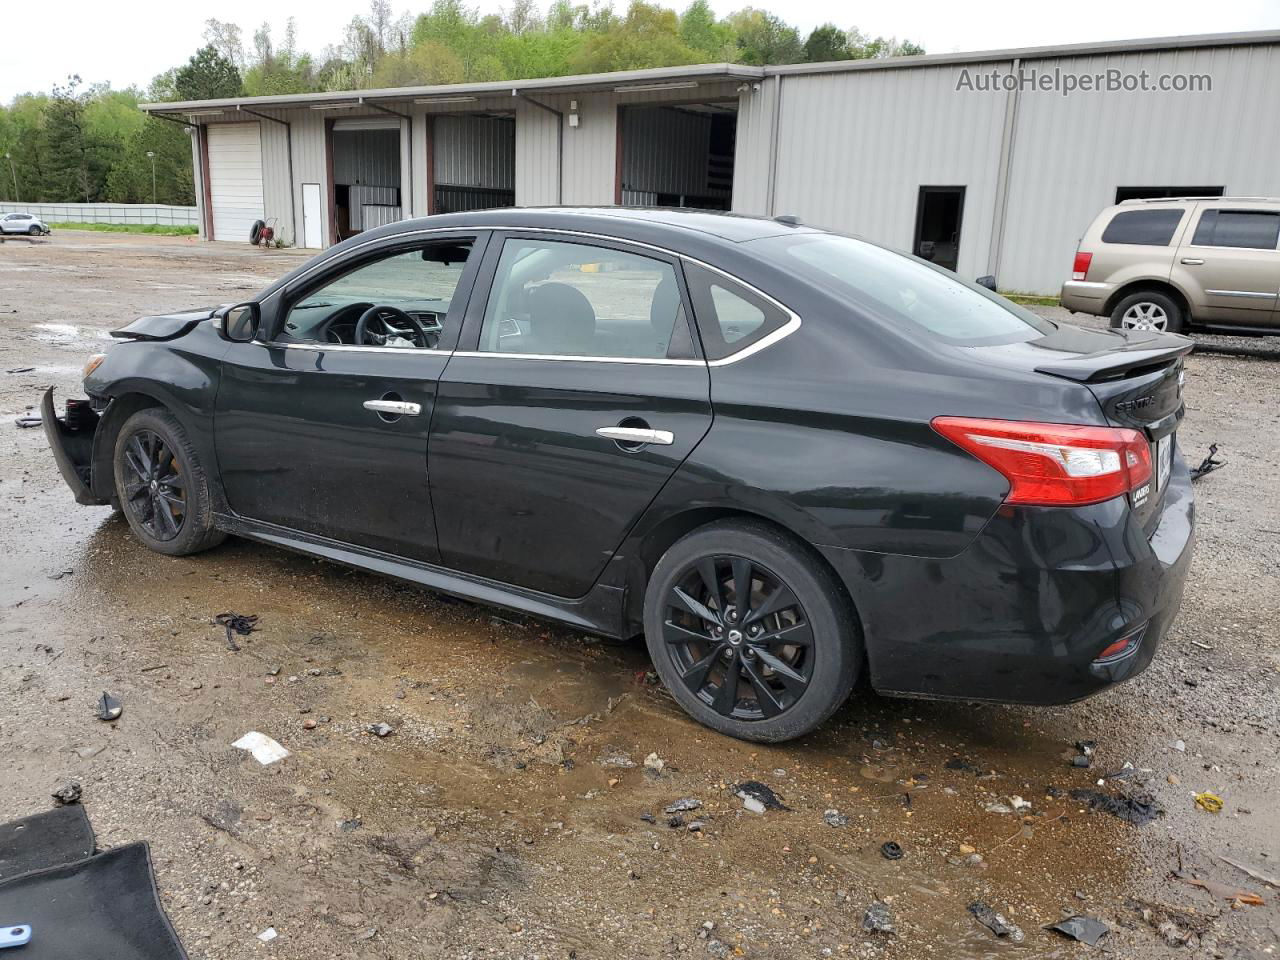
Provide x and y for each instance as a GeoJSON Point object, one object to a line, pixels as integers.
{"type": "Point", "coordinates": [1118, 364]}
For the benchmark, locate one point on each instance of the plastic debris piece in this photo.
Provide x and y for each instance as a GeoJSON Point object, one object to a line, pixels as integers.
{"type": "Point", "coordinates": [996, 923]}
{"type": "Point", "coordinates": [1085, 929]}
{"type": "Point", "coordinates": [834, 818]}
{"type": "Point", "coordinates": [891, 850]}
{"type": "Point", "coordinates": [68, 793]}
{"type": "Point", "coordinates": [877, 919]}
{"type": "Point", "coordinates": [236, 623]}
{"type": "Point", "coordinates": [1253, 872]}
{"type": "Point", "coordinates": [757, 790]}
{"type": "Point", "coordinates": [109, 708]}
{"type": "Point", "coordinates": [683, 804]}
{"type": "Point", "coordinates": [381, 729]}
{"type": "Point", "coordinates": [1209, 801]}
{"type": "Point", "coordinates": [1138, 810]}
{"type": "Point", "coordinates": [28, 421]}
{"type": "Point", "coordinates": [265, 750]}
{"type": "Point", "coordinates": [267, 935]}
{"type": "Point", "coordinates": [1208, 464]}
{"type": "Point", "coordinates": [754, 805]}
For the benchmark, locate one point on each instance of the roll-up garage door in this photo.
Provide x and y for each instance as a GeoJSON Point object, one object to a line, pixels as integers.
{"type": "Point", "coordinates": [235, 179]}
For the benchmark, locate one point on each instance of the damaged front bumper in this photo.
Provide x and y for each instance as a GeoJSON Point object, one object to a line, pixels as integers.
{"type": "Point", "coordinates": [71, 440]}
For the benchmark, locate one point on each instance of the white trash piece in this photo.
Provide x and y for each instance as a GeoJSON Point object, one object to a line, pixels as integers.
{"type": "Point", "coordinates": [264, 749]}
{"type": "Point", "coordinates": [267, 935]}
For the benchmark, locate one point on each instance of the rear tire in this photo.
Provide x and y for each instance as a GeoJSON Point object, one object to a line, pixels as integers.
{"type": "Point", "coordinates": [1148, 310]}
{"type": "Point", "coordinates": [162, 488]}
{"type": "Point", "coordinates": [792, 652]}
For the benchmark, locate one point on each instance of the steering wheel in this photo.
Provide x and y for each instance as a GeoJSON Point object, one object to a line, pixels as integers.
{"type": "Point", "coordinates": [362, 335]}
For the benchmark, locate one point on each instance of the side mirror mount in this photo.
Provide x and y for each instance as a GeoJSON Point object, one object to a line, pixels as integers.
{"type": "Point", "coordinates": [239, 323]}
{"type": "Point", "coordinates": [988, 281]}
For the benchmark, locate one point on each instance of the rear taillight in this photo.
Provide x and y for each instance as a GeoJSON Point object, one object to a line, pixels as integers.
{"type": "Point", "coordinates": [1055, 464]}
{"type": "Point", "coordinates": [1080, 269]}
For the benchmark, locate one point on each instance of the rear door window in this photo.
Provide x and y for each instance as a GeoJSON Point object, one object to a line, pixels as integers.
{"type": "Point", "coordinates": [1252, 229]}
{"type": "Point", "coordinates": [1148, 227]}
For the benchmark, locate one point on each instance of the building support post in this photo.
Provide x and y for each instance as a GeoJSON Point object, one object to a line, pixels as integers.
{"type": "Point", "coordinates": [1001, 205]}
{"type": "Point", "coordinates": [559, 142]}
{"type": "Point", "coordinates": [288, 134]}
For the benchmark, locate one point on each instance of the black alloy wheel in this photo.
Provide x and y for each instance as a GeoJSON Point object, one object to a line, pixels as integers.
{"type": "Point", "coordinates": [739, 638]}
{"type": "Point", "coordinates": [154, 489]}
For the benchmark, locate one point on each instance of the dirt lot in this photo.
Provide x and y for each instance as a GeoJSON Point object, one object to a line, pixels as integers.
{"type": "Point", "coordinates": [504, 817]}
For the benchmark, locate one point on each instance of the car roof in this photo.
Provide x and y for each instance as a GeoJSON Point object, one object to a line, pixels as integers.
{"type": "Point", "coordinates": [1155, 201]}
{"type": "Point", "coordinates": [612, 221]}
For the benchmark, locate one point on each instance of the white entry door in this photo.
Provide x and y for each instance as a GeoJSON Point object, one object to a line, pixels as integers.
{"type": "Point", "coordinates": [312, 235]}
{"type": "Point", "coordinates": [235, 179]}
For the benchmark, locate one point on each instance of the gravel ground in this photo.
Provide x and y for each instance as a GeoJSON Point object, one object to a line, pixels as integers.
{"type": "Point", "coordinates": [510, 813]}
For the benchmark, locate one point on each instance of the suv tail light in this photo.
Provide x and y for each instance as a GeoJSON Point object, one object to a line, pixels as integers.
{"type": "Point", "coordinates": [1055, 464]}
{"type": "Point", "coordinates": [1080, 269]}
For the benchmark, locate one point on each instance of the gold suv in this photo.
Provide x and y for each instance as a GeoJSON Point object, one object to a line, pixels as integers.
{"type": "Point", "coordinates": [1176, 263]}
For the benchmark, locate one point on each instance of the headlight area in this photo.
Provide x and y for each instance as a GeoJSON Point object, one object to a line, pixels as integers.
{"type": "Point", "coordinates": [92, 364]}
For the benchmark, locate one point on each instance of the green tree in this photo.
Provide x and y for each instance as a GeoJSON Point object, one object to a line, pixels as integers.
{"type": "Point", "coordinates": [764, 38]}
{"type": "Point", "coordinates": [76, 166]}
{"type": "Point", "coordinates": [208, 75]}
{"type": "Point", "coordinates": [827, 42]}
{"type": "Point", "coordinates": [701, 31]}
{"type": "Point", "coordinates": [649, 36]}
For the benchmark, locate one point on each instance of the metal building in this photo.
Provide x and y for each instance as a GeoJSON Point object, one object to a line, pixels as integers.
{"type": "Point", "coordinates": [988, 163]}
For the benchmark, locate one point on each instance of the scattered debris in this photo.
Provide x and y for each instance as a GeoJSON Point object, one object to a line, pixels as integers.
{"type": "Point", "coordinates": [1252, 871]}
{"type": "Point", "coordinates": [1208, 464]}
{"type": "Point", "coordinates": [891, 850]}
{"type": "Point", "coordinates": [109, 708]}
{"type": "Point", "coordinates": [381, 729]}
{"type": "Point", "coordinates": [267, 935]}
{"type": "Point", "coordinates": [683, 804]}
{"type": "Point", "coordinates": [959, 763]}
{"type": "Point", "coordinates": [348, 826]}
{"type": "Point", "coordinates": [695, 826]}
{"type": "Point", "coordinates": [67, 794]}
{"type": "Point", "coordinates": [1180, 746]}
{"type": "Point", "coordinates": [1209, 801]}
{"type": "Point", "coordinates": [1085, 929]}
{"type": "Point", "coordinates": [20, 370]}
{"type": "Point", "coordinates": [653, 765]}
{"type": "Point", "coordinates": [648, 817]}
{"type": "Point", "coordinates": [834, 818]}
{"type": "Point", "coordinates": [996, 923]}
{"type": "Point", "coordinates": [1138, 810]}
{"type": "Point", "coordinates": [265, 750]}
{"type": "Point", "coordinates": [617, 760]}
{"type": "Point", "coordinates": [1177, 928]}
{"type": "Point", "coordinates": [236, 623]}
{"type": "Point", "coordinates": [1221, 891]}
{"type": "Point", "coordinates": [877, 919]}
{"type": "Point", "coordinates": [757, 791]}
{"type": "Point", "coordinates": [752, 804]}
{"type": "Point", "coordinates": [27, 421]}
{"type": "Point", "coordinates": [61, 573]}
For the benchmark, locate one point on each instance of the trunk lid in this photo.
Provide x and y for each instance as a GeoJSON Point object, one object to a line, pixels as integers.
{"type": "Point", "coordinates": [1136, 377]}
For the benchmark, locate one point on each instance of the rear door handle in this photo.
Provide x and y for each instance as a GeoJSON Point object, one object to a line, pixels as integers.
{"type": "Point", "coordinates": [637, 435]}
{"type": "Point", "coordinates": [1192, 261]}
{"type": "Point", "coordinates": [398, 408]}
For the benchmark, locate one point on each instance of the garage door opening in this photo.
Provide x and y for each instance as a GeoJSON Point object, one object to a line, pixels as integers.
{"type": "Point", "coordinates": [939, 212]}
{"type": "Point", "coordinates": [677, 155]}
{"type": "Point", "coordinates": [366, 183]}
{"type": "Point", "coordinates": [473, 162]}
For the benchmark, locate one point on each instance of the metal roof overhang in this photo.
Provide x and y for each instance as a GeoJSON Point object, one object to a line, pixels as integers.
{"type": "Point", "coordinates": [639, 80]}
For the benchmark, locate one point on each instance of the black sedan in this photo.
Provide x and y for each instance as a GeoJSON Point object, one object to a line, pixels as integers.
{"type": "Point", "coordinates": [786, 457]}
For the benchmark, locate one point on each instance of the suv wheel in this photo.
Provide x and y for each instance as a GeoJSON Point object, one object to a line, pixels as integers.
{"type": "Point", "coordinates": [1148, 310]}
{"type": "Point", "coordinates": [750, 633]}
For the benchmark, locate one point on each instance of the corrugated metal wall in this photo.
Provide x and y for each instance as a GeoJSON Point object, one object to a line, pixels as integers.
{"type": "Point", "coordinates": [665, 151]}
{"type": "Point", "coordinates": [855, 148]}
{"type": "Point", "coordinates": [367, 157]}
{"type": "Point", "coordinates": [754, 155]}
{"type": "Point", "coordinates": [277, 199]}
{"type": "Point", "coordinates": [475, 151]}
{"type": "Point", "coordinates": [1070, 153]}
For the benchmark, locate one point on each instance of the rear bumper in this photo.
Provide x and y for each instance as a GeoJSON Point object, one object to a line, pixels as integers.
{"type": "Point", "coordinates": [1085, 296]}
{"type": "Point", "coordinates": [72, 450]}
{"type": "Point", "coordinates": [1023, 614]}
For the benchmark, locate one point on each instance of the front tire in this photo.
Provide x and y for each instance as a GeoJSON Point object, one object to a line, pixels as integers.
{"type": "Point", "coordinates": [34, 231]}
{"type": "Point", "coordinates": [1148, 310]}
{"type": "Point", "coordinates": [750, 632]}
{"type": "Point", "coordinates": [162, 488]}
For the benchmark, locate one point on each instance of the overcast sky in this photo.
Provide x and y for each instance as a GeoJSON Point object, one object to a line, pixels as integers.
{"type": "Point", "coordinates": [128, 42]}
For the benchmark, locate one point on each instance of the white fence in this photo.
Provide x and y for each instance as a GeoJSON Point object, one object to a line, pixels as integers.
{"type": "Point", "coordinates": [137, 213]}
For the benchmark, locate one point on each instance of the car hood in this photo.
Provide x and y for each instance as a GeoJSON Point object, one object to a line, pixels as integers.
{"type": "Point", "coordinates": [1089, 356]}
{"type": "Point", "coordinates": [165, 326]}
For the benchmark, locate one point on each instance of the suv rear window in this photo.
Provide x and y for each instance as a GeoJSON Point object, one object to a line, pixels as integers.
{"type": "Point", "coordinates": [902, 290]}
{"type": "Point", "coordinates": [1151, 227]}
{"type": "Point", "coordinates": [1255, 229]}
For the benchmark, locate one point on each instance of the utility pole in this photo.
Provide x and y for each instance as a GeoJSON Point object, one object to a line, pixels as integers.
{"type": "Point", "coordinates": [14, 173]}
{"type": "Point", "coordinates": [151, 155]}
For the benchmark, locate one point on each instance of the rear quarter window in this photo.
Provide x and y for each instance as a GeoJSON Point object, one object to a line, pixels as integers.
{"type": "Point", "coordinates": [1252, 229]}
{"type": "Point", "coordinates": [1153, 228]}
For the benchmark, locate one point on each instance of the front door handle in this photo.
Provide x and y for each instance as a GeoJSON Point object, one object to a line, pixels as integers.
{"type": "Point", "coordinates": [637, 435]}
{"type": "Point", "coordinates": [1192, 261]}
{"type": "Point", "coordinates": [397, 408]}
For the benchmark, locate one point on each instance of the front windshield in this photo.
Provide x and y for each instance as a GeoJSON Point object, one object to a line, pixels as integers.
{"type": "Point", "coordinates": [903, 290]}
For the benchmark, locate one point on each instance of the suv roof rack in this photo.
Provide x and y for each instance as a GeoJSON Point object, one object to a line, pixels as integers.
{"type": "Point", "coordinates": [1183, 199]}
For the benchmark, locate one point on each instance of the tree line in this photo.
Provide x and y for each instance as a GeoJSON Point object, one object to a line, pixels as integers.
{"type": "Point", "coordinates": [86, 142]}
